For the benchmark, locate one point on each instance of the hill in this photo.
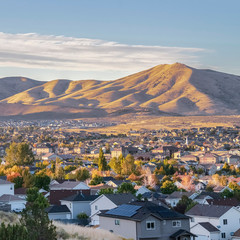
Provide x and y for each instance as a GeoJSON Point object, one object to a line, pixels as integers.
{"type": "Point", "coordinates": [174, 89]}
{"type": "Point", "coordinates": [13, 85]}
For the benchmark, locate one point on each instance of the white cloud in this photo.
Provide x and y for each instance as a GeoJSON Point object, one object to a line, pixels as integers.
{"type": "Point", "coordinates": [32, 50]}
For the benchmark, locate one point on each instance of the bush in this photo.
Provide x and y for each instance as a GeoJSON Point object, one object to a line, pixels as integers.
{"type": "Point", "coordinates": [82, 216]}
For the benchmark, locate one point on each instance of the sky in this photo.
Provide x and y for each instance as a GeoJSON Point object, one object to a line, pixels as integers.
{"type": "Point", "coordinates": [109, 39]}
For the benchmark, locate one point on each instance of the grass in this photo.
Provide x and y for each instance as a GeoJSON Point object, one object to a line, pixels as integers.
{"type": "Point", "coordinates": [67, 231]}
{"type": "Point", "coordinates": [74, 232]}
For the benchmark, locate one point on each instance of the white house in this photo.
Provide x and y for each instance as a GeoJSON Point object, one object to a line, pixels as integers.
{"type": "Point", "coordinates": [175, 197]}
{"type": "Point", "coordinates": [17, 204]}
{"type": "Point", "coordinates": [58, 212]}
{"type": "Point", "coordinates": [78, 203]}
{"type": "Point", "coordinates": [205, 231]}
{"type": "Point", "coordinates": [106, 202]}
{"type": "Point", "coordinates": [224, 218]}
{"type": "Point", "coordinates": [6, 187]}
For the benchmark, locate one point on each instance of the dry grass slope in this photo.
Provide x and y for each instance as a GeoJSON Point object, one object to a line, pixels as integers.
{"type": "Point", "coordinates": [174, 88]}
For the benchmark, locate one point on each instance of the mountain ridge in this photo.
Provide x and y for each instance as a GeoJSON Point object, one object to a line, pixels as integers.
{"type": "Point", "coordinates": [165, 89]}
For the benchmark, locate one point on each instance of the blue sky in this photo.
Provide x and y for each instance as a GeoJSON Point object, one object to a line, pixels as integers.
{"type": "Point", "coordinates": [108, 39]}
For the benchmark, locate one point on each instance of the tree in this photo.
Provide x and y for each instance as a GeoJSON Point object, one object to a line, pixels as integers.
{"type": "Point", "coordinates": [128, 165]}
{"type": "Point", "coordinates": [115, 165]}
{"type": "Point", "coordinates": [11, 231]}
{"type": "Point", "coordinates": [59, 171]}
{"type": "Point", "coordinates": [82, 174]}
{"type": "Point", "coordinates": [41, 180]}
{"type": "Point", "coordinates": [35, 218]}
{"type": "Point", "coordinates": [106, 191]}
{"type": "Point", "coordinates": [184, 204]}
{"type": "Point", "coordinates": [102, 163]}
{"type": "Point", "coordinates": [19, 154]}
{"type": "Point", "coordinates": [96, 180]}
{"type": "Point", "coordinates": [126, 188]}
{"type": "Point", "coordinates": [168, 187]}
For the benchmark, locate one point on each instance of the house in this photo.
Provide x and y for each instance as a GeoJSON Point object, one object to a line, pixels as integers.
{"type": "Point", "coordinates": [108, 201]}
{"type": "Point", "coordinates": [145, 220]}
{"type": "Point", "coordinates": [205, 230]}
{"type": "Point", "coordinates": [50, 156]}
{"type": "Point", "coordinates": [78, 203]}
{"type": "Point", "coordinates": [6, 187]}
{"type": "Point", "coordinates": [116, 183]}
{"type": "Point", "coordinates": [225, 218]}
{"type": "Point", "coordinates": [209, 158]}
{"type": "Point", "coordinates": [236, 235]}
{"type": "Point", "coordinates": [60, 191]}
{"type": "Point", "coordinates": [141, 190]}
{"type": "Point", "coordinates": [203, 197]}
{"type": "Point", "coordinates": [175, 197]}
{"type": "Point", "coordinates": [58, 212]}
{"type": "Point", "coordinates": [224, 202]}
{"type": "Point", "coordinates": [17, 204]}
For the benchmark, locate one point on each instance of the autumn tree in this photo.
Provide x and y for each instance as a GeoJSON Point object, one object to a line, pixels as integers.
{"type": "Point", "coordinates": [19, 154]}
{"type": "Point", "coordinates": [115, 165]}
{"type": "Point", "coordinates": [168, 187]}
{"type": "Point", "coordinates": [128, 165]}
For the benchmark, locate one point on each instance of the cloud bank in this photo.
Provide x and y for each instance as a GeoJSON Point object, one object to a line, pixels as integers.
{"type": "Point", "coordinates": [32, 50]}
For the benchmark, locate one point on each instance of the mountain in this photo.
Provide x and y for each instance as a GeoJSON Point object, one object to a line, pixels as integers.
{"type": "Point", "coordinates": [164, 89]}
{"type": "Point", "coordinates": [13, 85]}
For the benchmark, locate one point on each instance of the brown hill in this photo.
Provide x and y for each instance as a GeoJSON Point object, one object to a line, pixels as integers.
{"type": "Point", "coordinates": [175, 88]}
{"type": "Point", "coordinates": [13, 85]}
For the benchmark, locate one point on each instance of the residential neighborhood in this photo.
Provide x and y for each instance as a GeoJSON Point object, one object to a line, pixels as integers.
{"type": "Point", "coordinates": [162, 184]}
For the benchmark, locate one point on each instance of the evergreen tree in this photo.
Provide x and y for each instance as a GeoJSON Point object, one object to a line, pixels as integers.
{"type": "Point", "coordinates": [102, 163]}
{"type": "Point", "coordinates": [35, 219]}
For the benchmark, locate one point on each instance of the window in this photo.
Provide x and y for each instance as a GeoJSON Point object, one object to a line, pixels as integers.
{"type": "Point", "coordinates": [117, 222]}
{"type": "Point", "coordinates": [223, 235]}
{"type": "Point", "coordinates": [224, 221]}
{"type": "Point", "coordinates": [96, 207]}
{"type": "Point", "coordinates": [176, 223]}
{"type": "Point", "coordinates": [150, 225]}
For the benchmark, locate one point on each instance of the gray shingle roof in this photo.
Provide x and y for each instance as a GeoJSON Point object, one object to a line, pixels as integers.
{"type": "Point", "coordinates": [8, 198]}
{"type": "Point", "coordinates": [4, 182]}
{"type": "Point", "coordinates": [79, 197]}
{"type": "Point", "coordinates": [121, 198]}
{"type": "Point", "coordinates": [57, 209]}
{"type": "Point", "coordinates": [209, 227]}
{"type": "Point", "coordinates": [146, 209]}
{"type": "Point", "coordinates": [179, 195]}
{"type": "Point", "coordinates": [208, 210]}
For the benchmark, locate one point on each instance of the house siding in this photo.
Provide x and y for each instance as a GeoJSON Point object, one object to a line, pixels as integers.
{"type": "Point", "coordinates": [126, 229]}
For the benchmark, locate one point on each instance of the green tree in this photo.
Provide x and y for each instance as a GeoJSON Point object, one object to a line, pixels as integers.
{"type": "Point", "coordinates": [35, 218]}
{"type": "Point", "coordinates": [82, 174]}
{"type": "Point", "coordinates": [106, 191]}
{"type": "Point", "coordinates": [96, 180]}
{"type": "Point", "coordinates": [18, 182]}
{"type": "Point", "coordinates": [168, 187]}
{"type": "Point", "coordinates": [10, 232]}
{"type": "Point", "coordinates": [42, 181]}
{"type": "Point", "coordinates": [184, 204]}
{"type": "Point", "coordinates": [102, 163]}
{"type": "Point", "coordinates": [19, 154]}
{"type": "Point", "coordinates": [126, 188]}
